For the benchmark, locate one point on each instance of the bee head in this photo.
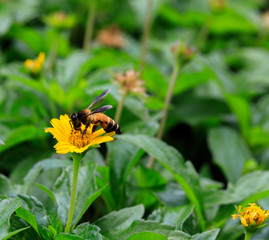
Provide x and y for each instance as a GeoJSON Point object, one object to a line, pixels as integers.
{"type": "Point", "coordinates": [75, 121]}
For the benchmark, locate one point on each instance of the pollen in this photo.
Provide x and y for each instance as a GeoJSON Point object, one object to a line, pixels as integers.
{"type": "Point", "coordinates": [78, 140]}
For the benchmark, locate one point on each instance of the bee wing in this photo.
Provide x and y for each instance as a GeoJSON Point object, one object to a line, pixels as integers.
{"type": "Point", "coordinates": [102, 109]}
{"type": "Point", "coordinates": [97, 101]}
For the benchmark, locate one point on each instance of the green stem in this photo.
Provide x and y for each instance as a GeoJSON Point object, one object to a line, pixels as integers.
{"type": "Point", "coordinates": [117, 117]}
{"type": "Point", "coordinates": [203, 35]}
{"type": "Point", "coordinates": [52, 54]}
{"type": "Point", "coordinates": [166, 105]}
{"type": "Point", "coordinates": [120, 107]}
{"type": "Point", "coordinates": [146, 31]}
{"type": "Point", "coordinates": [89, 25]}
{"type": "Point", "coordinates": [76, 160]}
{"type": "Point", "coordinates": [248, 235]}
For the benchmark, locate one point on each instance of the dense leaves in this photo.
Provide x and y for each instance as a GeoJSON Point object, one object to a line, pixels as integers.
{"type": "Point", "coordinates": [188, 85]}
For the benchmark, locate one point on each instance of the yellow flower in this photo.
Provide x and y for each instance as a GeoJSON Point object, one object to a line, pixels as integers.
{"type": "Point", "coordinates": [71, 140]}
{"type": "Point", "coordinates": [36, 65]}
{"type": "Point", "coordinates": [252, 215]}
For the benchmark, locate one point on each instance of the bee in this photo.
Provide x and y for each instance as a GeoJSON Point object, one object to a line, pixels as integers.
{"type": "Point", "coordinates": [96, 117]}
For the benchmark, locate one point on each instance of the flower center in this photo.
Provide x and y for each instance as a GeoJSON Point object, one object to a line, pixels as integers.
{"type": "Point", "coordinates": [77, 140]}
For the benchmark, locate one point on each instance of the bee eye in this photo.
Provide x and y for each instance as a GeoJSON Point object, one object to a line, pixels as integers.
{"type": "Point", "coordinates": [73, 116]}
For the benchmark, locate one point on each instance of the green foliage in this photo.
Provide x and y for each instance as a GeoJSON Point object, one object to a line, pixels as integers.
{"type": "Point", "coordinates": [212, 155]}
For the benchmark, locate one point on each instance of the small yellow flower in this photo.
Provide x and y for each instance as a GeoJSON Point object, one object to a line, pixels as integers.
{"type": "Point", "coordinates": [71, 140]}
{"type": "Point", "coordinates": [35, 66]}
{"type": "Point", "coordinates": [252, 215]}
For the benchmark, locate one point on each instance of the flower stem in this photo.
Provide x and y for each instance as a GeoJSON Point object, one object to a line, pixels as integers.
{"type": "Point", "coordinates": [166, 105]}
{"type": "Point", "coordinates": [203, 35]}
{"type": "Point", "coordinates": [146, 31]}
{"type": "Point", "coordinates": [76, 160]}
{"type": "Point", "coordinates": [248, 235]}
{"type": "Point", "coordinates": [89, 25]}
{"type": "Point", "coordinates": [120, 107]}
{"type": "Point", "coordinates": [53, 54]}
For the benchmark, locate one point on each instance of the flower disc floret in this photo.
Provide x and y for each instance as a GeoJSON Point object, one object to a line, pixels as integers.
{"type": "Point", "coordinates": [71, 140]}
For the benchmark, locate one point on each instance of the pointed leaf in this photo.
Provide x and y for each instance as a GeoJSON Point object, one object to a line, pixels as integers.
{"type": "Point", "coordinates": [7, 207]}
{"type": "Point", "coordinates": [88, 231]}
{"type": "Point", "coordinates": [172, 160]}
{"type": "Point", "coordinates": [208, 235]}
{"type": "Point", "coordinates": [147, 236]}
{"type": "Point", "coordinates": [229, 151]}
{"type": "Point", "coordinates": [28, 217]}
{"type": "Point", "coordinates": [120, 220]}
{"type": "Point", "coordinates": [36, 208]}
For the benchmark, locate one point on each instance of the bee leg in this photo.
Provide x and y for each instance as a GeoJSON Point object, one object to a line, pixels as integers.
{"type": "Point", "coordinates": [94, 128]}
{"type": "Point", "coordinates": [86, 127]}
{"type": "Point", "coordinates": [70, 122]}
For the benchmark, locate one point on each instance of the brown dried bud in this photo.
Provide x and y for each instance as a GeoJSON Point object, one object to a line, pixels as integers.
{"type": "Point", "coordinates": [130, 82]}
{"type": "Point", "coordinates": [265, 19]}
{"type": "Point", "coordinates": [111, 37]}
{"type": "Point", "coordinates": [183, 52]}
{"type": "Point", "coordinates": [218, 5]}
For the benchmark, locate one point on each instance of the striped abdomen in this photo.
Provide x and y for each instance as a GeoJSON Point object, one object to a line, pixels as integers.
{"type": "Point", "coordinates": [107, 123]}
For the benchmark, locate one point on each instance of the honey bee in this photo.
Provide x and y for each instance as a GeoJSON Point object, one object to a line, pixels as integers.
{"type": "Point", "coordinates": [95, 117]}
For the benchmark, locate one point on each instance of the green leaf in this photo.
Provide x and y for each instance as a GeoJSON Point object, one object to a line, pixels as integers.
{"type": "Point", "coordinates": [147, 236]}
{"type": "Point", "coordinates": [62, 194]}
{"type": "Point", "coordinates": [249, 188]}
{"type": "Point", "coordinates": [6, 20]}
{"type": "Point", "coordinates": [6, 186]}
{"type": "Point", "coordinates": [30, 178]}
{"type": "Point", "coordinates": [7, 207]}
{"type": "Point", "coordinates": [155, 81]}
{"type": "Point", "coordinates": [149, 226]}
{"type": "Point", "coordinates": [102, 178]}
{"type": "Point", "coordinates": [172, 195]}
{"type": "Point", "coordinates": [28, 217]}
{"type": "Point", "coordinates": [29, 36]}
{"type": "Point", "coordinates": [67, 69]}
{"type": "Point", "coordinates": [229, 151]}
{"type": "Point", "coordinates": [171, 159]}
{"type": "Point", "coordinates": [87, 204]}
{"type": "Point", "coordinates": [36, 208]}
{"type": "Point", "coordinates": [194, 110]}
{"type": "Point", "coordinates": [148, 178]}
{"type": "Point", "coordinates": [230, 21]}
{"type": "Point", "coordinates": [208, 235]}
{"type": "Point", "coordinates": [172, 216]}
{"type": "Point", "coordinates": [46, 190]}
{"type": "Point", "coordinates": [120, 220]}
{"type": "Point", "coordinates": [11, 234]}
{"type": "Point", "coordinates": [193, 74]}
{"type": "Point", "coordinates": [87, 190]}
{"type": "Point", "coordinates": [88, 231]}
{"type": "Point", "coordinates": [51, 163]}
{"type": "Point", "coordinates": [13, 72]}
{"type": "Point", "coordinates": [240, 107]}
{"type": "Point", "coordinates": [67, 236]}
{"type": "Point", "coordinates": [21, 134]}
{"type": "Point", "coordinates": [121, 155]}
